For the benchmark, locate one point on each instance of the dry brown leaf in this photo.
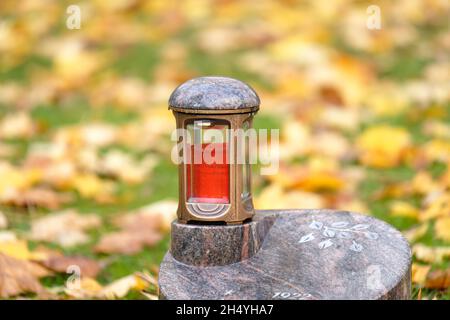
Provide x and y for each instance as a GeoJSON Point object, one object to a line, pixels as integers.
{"type": "Point", "coordinates": [139, 220]}
{"type": "Point", "coordinates": [431, 279]}
{"type": "Point", "coordinates": [67, 228]}
{"type": "Point", "coordinates": [36, 197]}
{"type": "Point", "coordinates": [88, 288]}
{"type": "Point", "coordinates": [127, 242]}
{"type": "Point", "coordinates": [139, 228]}
{"type": "Point", "coordinates": [158, 215]}
{"type": "Point", "coordinates": [3, 221]}
{"type": "Point", "coordinates": [438, 279]}
{"type": "Point", "coordinates": [88, 267]}
{"type": "Point", "coordinates": [19, 276]}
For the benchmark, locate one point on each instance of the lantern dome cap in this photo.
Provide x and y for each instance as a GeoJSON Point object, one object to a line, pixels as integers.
{"type": "Point", "coordinates": [214, 95]}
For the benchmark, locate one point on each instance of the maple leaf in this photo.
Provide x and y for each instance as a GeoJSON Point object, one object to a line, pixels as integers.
{"type": "Point", "coordinates": [127, 242]}
{"type": "Point", "coordinates": [19, 276]}
{"type": "Point", "coordinates": [139, 228]}
{"type": "Point", "coordinates": [59, 263]}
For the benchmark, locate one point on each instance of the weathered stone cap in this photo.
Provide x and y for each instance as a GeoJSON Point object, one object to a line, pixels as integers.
{"type": "Point", "coordinates": [214, 95]}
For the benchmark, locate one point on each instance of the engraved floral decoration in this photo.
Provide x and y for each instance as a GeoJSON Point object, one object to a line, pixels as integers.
{"type": "Point", "coordinates": [339, 230]}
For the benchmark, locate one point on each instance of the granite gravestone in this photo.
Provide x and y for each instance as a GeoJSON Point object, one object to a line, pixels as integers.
{"type": "Point", "coordinates": [279, 254]}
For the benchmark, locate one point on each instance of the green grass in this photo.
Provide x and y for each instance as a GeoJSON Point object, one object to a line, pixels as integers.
{"type": "Point", "coordinates": [140, 61]}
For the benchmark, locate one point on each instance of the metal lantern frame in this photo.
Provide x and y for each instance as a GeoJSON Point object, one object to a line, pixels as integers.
{"type": "Point", "coordinates": [240, 206]}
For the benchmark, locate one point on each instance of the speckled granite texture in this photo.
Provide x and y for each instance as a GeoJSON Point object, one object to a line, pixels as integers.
{"type": "Point", "coordinates": [214, 93]}
{"type": "Point", "coordinates": [294, 254]}
{"type": "Point", "coordinates": [218, 245]}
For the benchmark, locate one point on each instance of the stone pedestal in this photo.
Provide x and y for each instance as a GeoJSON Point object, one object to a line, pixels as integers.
{"type": "Point", "coordinates": [288, 254]}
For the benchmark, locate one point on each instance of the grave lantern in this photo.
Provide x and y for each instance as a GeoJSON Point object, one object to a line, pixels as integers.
{"type": "Point", "coordinates": [214, 114]}
{"type": "Point", "coordinates": [301, 254]}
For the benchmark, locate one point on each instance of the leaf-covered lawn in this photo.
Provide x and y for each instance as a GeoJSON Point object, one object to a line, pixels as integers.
{"type": "Point", "coordinates": [88, 190]}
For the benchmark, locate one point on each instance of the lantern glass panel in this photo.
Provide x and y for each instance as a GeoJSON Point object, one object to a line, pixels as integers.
{"type": "Point", "coordinates": [246, 161]}
{"type": "Point", "coordinates": [208, 167]}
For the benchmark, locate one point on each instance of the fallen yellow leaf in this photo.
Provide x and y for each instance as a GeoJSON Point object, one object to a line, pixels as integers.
{"type": "Point", "coordinates": [442, 228]}
{"type": "Point", "coordinates": [82, 288]}
{"type": "Point", "coordinates": [89, 185]}
{"type": "Point", "coordinates": [383, 146]}
{"type": "Point", "coordinates": [430, 254]}
{"type": "Point", "coordinates": [437, 150]}
{"type": "Point", "coordinates": [403, 209]}
{"type": "Point", "coordinates": [416, 233]}
{"type": "Point", "coordinates": [274, 197]}
{"type": "Point", "coordinates": [121, 287]}
{"type": "Point", "coordinates": [19, 249]}
{"type": "Point", "coordinates": [439, 206]}
{"type": "Point", "coordinates": [419, 273]}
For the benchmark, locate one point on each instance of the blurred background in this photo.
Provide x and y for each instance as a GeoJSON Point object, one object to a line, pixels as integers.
{"type": "Point", "coordinates": [87, 187]}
